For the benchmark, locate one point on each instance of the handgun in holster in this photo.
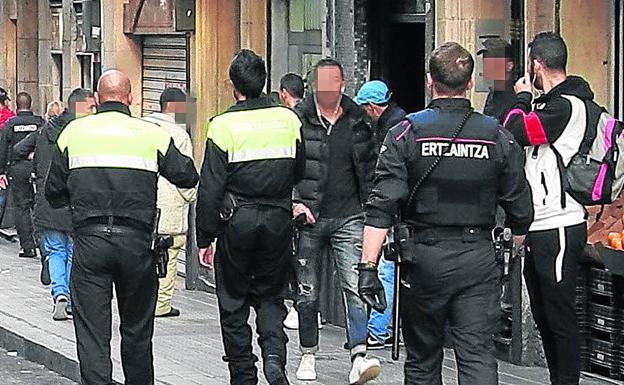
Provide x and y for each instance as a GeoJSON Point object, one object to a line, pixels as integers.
{"type": "Point", "coordinates": [160, 248]}
{"type": "Point", "coordinates": [503, 247]}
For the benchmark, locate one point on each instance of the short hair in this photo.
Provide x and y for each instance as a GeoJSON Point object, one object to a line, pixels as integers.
{"type": "Point", "coordinates": [292, 83]}
{"type": "Point", "coordinates": [78, 95]}
{"type": "Point", "coordinates": [329, 62]}
{"type": "Point", "coordinates": [171, 95]}
{"type": "Point", "coordinates": [23, 101]}
{"type": "Point", "coordinates": [549, 49]}
{"type": "Point", "coordinates": [451, 67]}
{"type": "Point", "coordinates": [248, 73]}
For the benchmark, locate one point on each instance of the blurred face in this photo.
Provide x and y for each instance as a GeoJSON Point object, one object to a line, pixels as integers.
{"type": "Point", "coordinates": [496, 68]}
{"type": "Point", "coordinates": [86, 107]}
{"type": "Point", "coordinates": [330, 86]}
{"type": "Point", "coordinates": [178, 109]}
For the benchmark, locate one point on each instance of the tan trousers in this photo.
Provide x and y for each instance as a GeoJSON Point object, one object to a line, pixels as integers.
{"type": "Point", "coordinates": [167, 285]}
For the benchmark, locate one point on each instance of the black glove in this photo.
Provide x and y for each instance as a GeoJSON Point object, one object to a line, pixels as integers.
{"type": "Point", "coordinates": [370, 288]}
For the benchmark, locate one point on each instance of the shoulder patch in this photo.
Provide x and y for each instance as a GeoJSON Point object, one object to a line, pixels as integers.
{"type": "Point", "coordinates": [422, 117]}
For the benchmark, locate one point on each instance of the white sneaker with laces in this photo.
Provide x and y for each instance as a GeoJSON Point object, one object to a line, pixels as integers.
{"type": "Point", "coordinates": [307, 368]}
{"type": "Point", "coordinates": [364, 370]}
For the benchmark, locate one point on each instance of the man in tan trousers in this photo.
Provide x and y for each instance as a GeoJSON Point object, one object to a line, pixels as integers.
{"type": "Point", "coordinates": [172, 201]}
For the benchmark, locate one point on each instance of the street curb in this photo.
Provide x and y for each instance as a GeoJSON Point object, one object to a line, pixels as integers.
{"type": "Point", "coordinates": [40, 354]}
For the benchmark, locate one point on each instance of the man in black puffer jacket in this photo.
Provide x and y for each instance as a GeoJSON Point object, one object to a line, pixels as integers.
{"type": "Point", "coordinates": [340, 162]}
{"type": "Point", "coordinates": [54, 226]}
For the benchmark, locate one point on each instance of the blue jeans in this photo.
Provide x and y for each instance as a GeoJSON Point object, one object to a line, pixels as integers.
{"type": "Point", "coordinates": [59, 248]}
{"type": "Point", "coordinates": [379, 323]}
{"type": "Point", "coordinates": [343, 238]}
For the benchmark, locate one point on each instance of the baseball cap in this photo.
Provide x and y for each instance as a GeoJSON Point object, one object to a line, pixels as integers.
{"type": "Point", "coordinates": [496, 47]}
{"type": "Point", "coordinates": [375, 92]}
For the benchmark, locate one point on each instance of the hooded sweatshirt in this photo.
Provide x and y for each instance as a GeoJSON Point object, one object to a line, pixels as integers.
{"type": "Point", "coordinates": [551, 128]}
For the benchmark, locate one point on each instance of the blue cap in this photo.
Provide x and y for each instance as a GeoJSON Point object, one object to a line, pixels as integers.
{"type": "Point", "coordinates": [375, 92]}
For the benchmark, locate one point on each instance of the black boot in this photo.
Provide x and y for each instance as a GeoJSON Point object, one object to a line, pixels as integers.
{"type": "Point", "coordinates": [27, 253]}
{"type": "Point", "coordinates": [274, 371]}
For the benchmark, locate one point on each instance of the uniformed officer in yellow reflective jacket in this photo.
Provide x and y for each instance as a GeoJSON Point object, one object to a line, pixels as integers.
{"type": "Point", "coordinates": [254, 156]}
{"type": "Point", "coordinates": [106, 169]}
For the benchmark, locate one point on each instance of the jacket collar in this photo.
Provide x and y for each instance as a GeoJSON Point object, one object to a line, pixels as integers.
{"type": "Point", "coordinates": [161, 116]}
{"type": "Point", "coordinates": [350, 110]}
{"type": "Point", "coordinates": [25, 113]}
{"type": "Point", "coordinates": [113, 106]}
{"type": "Point", "coordinates": [450, 103]}
{"type": "Point", "coordinates": [262, 101]}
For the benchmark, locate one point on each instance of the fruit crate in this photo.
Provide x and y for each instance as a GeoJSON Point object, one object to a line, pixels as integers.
{"type": "Point", "coordinates": [605, 358]}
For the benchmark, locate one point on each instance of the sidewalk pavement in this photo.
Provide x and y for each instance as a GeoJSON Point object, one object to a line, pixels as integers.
{"type": "Point", "coordinates": [187, 349]}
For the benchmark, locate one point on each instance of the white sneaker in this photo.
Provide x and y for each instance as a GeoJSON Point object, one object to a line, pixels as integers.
{"type": "Point", "coordinates": [60, 308]}
{"type": "Point", "coordinates": [307, 368]}
{"type": "Point", "coordinates": [364, 370]}
{"type": "Point", "coordinates": [291, 322]}
{"type": "Point", "coordinates": [292, 319]}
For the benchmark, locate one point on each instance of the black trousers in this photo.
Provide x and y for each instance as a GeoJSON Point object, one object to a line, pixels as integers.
{"type": "Point", "coordinates": [102, 261]}
{"type": "Point", "coordinates": [252, 265]}
{"type": "Point", "coordinates": [23, 197]}
{"type": "Point", "coordinates": [550, 271]}
{"type": "Point", "coordinates": [452, 282]}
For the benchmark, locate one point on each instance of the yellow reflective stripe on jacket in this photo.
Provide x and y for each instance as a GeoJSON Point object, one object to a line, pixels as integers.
{"type": "Point", "coordinates": [113, 139]}
{"type": "Point", "coordinates": [248, 135]}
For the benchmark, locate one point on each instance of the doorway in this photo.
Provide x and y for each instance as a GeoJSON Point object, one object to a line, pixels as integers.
{"type": "Point", "coordinates": [397, 45]}
{"type": "Point", "coordinates": [405, 65]}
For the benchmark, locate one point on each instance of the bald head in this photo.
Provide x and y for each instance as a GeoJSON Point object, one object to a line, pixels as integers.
{"type": "Point", "coordinates": [114, 86]}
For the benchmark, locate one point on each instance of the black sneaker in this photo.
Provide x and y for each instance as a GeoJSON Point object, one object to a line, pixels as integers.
{"type": "Point", "coordinates": [27, 253]}
{"type": "Point", "coordinates": [374, 343]}
{"type": "Point", "coordinates": [45, 271]}
{"type": "Point", "coordinates": [274, 371]}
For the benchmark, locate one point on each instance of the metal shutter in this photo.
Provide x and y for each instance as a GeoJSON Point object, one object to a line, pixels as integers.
{"type": "Point", "coordinates": [164, 65]}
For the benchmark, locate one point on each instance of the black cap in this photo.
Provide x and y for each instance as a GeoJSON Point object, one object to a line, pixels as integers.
{"type": "Point", "coordinates": [496, 47]}
{"type": "Point", "coordinates": [4, 96]}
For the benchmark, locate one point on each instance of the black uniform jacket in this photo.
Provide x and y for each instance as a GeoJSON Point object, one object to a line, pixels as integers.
{"type": "Point", "coordinates": [42, 143]}
{"type": "Point", "coordinates": [482, 167]}
{"type": "Point", "coordinates": [259, 160]}
{"type": "Point", "coordinates": [15, 130]}
{"type": "Point", "coordinates": [125, 193]}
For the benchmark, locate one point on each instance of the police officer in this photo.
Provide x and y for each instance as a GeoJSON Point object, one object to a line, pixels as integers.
{"type": "Point", "coordinates": [254, 156]}
{"type": "Point", "coordinates": [106, 169]}
{"type": "Point", "coordinates": [462, 164]}
{"type": "Point", "coordinates": [20, 170]}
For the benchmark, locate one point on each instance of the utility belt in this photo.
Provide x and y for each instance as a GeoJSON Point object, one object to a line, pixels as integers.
{"type": "Point", "coordinates": [112, 225]}
{"type": "Point", "coordinates": [233, 203]}
{"type": "Point", "coordinates": [401, 240]}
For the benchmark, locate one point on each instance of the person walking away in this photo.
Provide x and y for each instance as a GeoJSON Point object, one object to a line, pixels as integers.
{"type": "Point", "coordinates": [54, 226]}
{"type": "Point", "coordinates": [105, 168]}
{"type": "Point", "coordinates": [20, 170]}
{"type": "Point", "coordinates": [551, 128]}
{"type": "Point", "coordinates": [341, 153]}
{"type": "Point", "coordinates": [446, 168]}
{"type": "Point", "coordinates": [254, 156]}
{"type": "Point", "coordinates": [173, 201]}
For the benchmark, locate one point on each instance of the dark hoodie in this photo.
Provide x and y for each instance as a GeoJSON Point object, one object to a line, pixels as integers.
{"type": "Point", "coordinates": [42, 144]}
{"type": "Point", "coordinates": [552, 112]}
{"type": "Point", "coordinates": [551, 129]}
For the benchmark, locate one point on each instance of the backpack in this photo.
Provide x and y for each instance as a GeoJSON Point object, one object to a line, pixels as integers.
{"type": "Point", "coordinates": [595, 175]}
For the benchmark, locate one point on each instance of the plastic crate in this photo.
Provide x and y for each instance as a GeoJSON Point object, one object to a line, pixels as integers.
{"type": "Point", "coordinates": [605, 354]}
{"type": "Point", "coordinates": [602, 317]}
